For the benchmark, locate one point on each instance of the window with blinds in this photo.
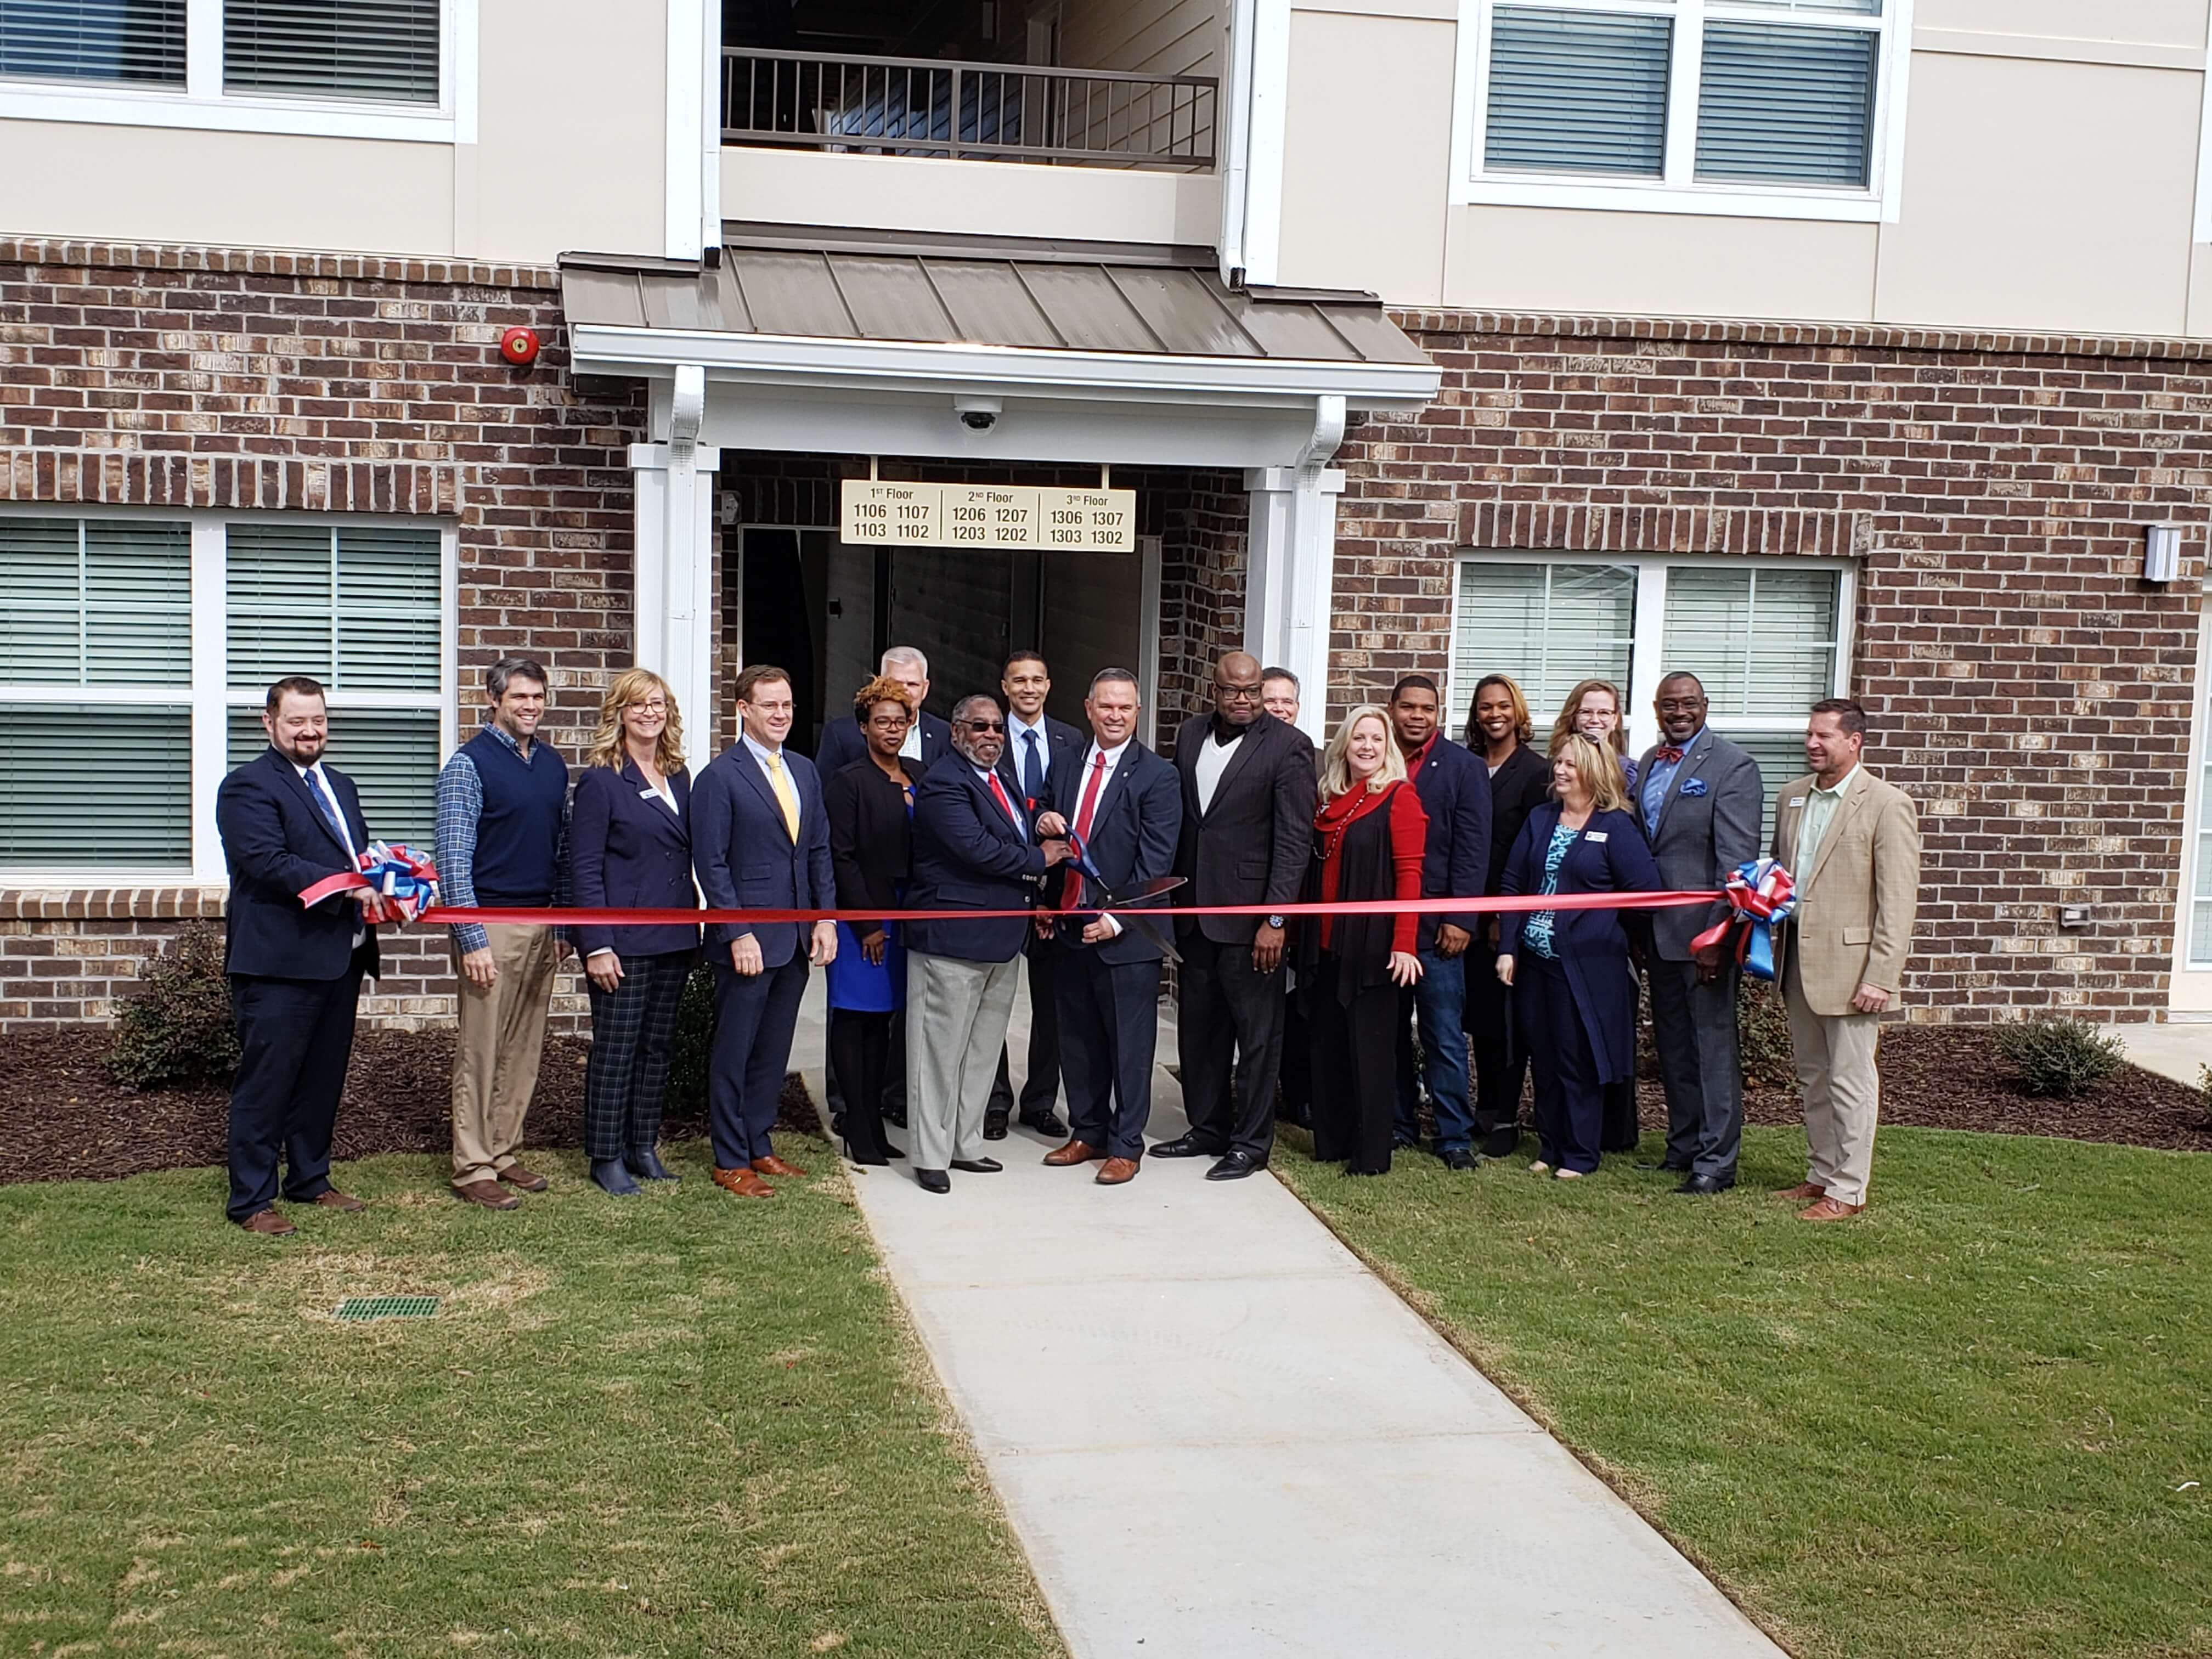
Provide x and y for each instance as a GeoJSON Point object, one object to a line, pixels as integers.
{"type": "Point", "coordinates": [379, 51]}
{"type": "Point", "coordinates": [1784, 93]}
{"type": "Point", "coordinates": [354, 607]}
{"type": "Point", "coordinates": [1763, 639]}
{"type": "Point", "coordinates": [1547, 625]}
{"type": "Point", "coordinates": [391, 754]}
{"type": "Point", "coordinates": [133, 42]}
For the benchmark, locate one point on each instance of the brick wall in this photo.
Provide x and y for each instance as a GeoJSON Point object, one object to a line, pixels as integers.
{"type": "Point", "coordinates": [2028, 688]}
{"type": "Point", "coordinates": [213, 379]}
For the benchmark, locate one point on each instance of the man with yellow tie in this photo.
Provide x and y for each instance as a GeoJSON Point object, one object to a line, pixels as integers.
{"type": "Point", "coordinates": [760, 840]}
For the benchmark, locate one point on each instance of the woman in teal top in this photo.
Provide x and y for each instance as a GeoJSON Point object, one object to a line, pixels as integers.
{"type": "Point", "coordinates": [1574, 994]}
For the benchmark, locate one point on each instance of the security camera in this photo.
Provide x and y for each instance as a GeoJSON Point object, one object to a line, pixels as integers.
{"type": "Point", "coordinates": [977, 414]}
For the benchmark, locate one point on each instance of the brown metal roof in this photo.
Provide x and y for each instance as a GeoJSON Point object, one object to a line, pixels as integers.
{"type": "Point", "coordinates": [1050, 298]}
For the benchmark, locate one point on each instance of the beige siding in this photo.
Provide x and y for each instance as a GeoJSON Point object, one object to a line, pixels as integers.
{"type": "Point", "coordinates": [1144, 37]}
{"type": "Point", "coordinates": [2144, 22]}
{"type": "Point", "coordinates": [1367, 149]}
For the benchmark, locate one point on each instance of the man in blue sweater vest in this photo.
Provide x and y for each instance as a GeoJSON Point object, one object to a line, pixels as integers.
{"type": "Point", "coordinates": [500, 804]}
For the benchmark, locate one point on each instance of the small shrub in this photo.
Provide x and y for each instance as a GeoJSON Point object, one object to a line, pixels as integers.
{"type": "Point", "coordinates": [179, 1028]}
{"type": "Point", "coordinates": [694, 1042]}
{"type": "Point", "coordinates": [2062, 1057]}
{"type": "Point", "coordinates": [1762, 1036]}
{"type": "Point", "coordinates": [2204, 1095]}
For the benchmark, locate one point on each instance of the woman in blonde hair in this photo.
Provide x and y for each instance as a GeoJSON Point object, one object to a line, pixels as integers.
{"type": "Point", "coordinates": [1369, 832]}
{"type": "Point", "coordinates": [630, 847]}
{"type": "Point", "coordinates": [1574, 997]}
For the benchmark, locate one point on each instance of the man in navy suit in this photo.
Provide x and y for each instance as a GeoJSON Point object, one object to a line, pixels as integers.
{"type": "Point", "coordinates": [760, 840]}
{"type": "Point", "coordinates": [1454, 792]}
{"type": "Point", "coordinates": [928, 740]}
{"type": "Point", "coordinates": [973, 850]}
{"type": "Point", "coordinates": [288, 821]}
{"type": "Point", "coordinates": [1126, 805]}
{"type": "Point", "coordinates": [1041, 755]}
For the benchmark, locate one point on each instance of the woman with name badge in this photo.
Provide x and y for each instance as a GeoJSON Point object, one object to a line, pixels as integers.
{"type": "Point", "coordinates": [1574, 996]}
{"type": "Point", "coordinates": [869, 805]}
{"type": "Point", "coordinates": [630, 847]}
{"type": "Point", "coordinates": [1369, 834]}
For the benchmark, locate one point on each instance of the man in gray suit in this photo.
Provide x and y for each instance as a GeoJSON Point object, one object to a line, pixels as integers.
{"type": "Point", "coordinates": [1699, 797]}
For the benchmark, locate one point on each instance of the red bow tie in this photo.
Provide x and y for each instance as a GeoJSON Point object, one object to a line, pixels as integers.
{"type": "Point", "coordinates": [1667, 755]}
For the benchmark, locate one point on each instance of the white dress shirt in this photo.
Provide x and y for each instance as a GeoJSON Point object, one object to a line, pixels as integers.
{"type": "Point", "coordinates": [1213, 758]}
{"type": "Point", "coordinates": [1105, 781]}
{"type": "Point", "coordinates": [312, 776]}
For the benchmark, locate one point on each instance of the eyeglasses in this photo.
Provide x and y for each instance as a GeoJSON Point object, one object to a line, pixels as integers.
{"type": "Point", "coordinates": [650, 706]}
{"type": "Point", "coordinates": [985, 726]}
{"type": "Point", "coordinates": [1680, 705]}
{"type": "Point", "coordinates": [1236, 693]}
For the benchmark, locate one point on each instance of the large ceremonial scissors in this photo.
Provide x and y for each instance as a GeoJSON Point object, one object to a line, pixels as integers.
{"type": "Point", "coordinates": [1122, 900]}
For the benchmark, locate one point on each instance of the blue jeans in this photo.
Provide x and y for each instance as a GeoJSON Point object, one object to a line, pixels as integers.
{"type": "Point", "coordinates": [1439, 1004]}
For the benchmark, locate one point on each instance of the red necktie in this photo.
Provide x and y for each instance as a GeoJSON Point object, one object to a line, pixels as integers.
{"type": "Point", "coordinates": [1000, 796]}
{"type": "Point", "coordinates": [1070, 891]}
{"type": "Point", "coordinates": [1666, 756]}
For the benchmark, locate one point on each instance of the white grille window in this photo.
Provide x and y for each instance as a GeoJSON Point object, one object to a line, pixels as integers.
{"type": "Point", "coordinates": [126, 42]}
{"type": "Point", "coordinates": [143, 647]}
{"type": "Point", "coordinates": [383, 50]}
{"type": "Point", "coordinates": [1767, 106]}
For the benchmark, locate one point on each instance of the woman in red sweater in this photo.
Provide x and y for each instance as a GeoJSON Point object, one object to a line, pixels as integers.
{"type": "Point", "coordinates": [1368, 834]}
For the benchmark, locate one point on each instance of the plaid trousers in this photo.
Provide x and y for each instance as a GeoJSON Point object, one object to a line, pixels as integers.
{"type": "Point", "coordinates": [633, 1031]}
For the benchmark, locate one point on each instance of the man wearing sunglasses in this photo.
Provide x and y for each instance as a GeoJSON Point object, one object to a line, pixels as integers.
{"type": "Point", "coordinates": [975, 848]}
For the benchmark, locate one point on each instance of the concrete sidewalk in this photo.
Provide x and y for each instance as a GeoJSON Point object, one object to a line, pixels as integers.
{"type": "Point", "coordinates": [1218, 1435]}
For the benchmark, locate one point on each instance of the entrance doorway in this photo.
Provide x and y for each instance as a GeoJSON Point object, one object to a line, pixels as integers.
{"type": "Point", "coordinates": [807, 602]}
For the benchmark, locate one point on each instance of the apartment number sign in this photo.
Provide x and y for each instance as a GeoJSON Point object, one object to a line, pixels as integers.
{"type": "Point", "coordinates": [989, 515]}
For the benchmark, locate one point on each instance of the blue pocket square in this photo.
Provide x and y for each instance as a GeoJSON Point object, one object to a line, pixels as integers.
{"type": "Point", "coordinates": [1694, 787]}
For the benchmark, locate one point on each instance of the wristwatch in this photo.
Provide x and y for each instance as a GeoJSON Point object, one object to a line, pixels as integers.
{"type": "Point", "coordinates": [1274, 921]}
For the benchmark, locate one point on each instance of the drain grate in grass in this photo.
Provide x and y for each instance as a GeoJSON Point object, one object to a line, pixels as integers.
{"type": "Point", "coordinates": [387, 1307]}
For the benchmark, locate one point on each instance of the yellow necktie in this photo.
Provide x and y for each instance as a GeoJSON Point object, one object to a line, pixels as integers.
{"type": "Point", "coordinates": [785, 796]}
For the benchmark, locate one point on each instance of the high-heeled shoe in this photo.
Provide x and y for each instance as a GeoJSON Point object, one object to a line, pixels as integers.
{"type": "Point", "coordinates": [851, 1157]}
{"type": "Point", "coordinates": [647, 1164]}
{"type": "Point", "coordinates": [892, 1152]}
{"type": "Point", "coordinates": [613, 1178]}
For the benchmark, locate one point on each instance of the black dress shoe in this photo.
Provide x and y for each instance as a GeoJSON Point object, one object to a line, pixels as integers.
{"type": "Point", "coordinates": [978, 1165]}
{"type": "Point", "coordinates": [1457, 1159]}
{"type": "Point", "coordinates": [1500, 1143]}
{"type": "Point", "coordinates": [932, 1180]}
{"type": "Point", "coordinates": [646, 1166]}
{"type": "Point", "coordinates": [891, 1152]}
{"type": "Point", "coordinates": [869, 1162]}
{"type": "Point", "coordinates": [1234, 1166]}
{"type": "Point", "coordinates": [1706, 1185]}
{"type": "Point", "coordinates": [1049, 1126]}
{"type": "Point", "coordinates": [995, 1126]}
{"type": "Point", "coordinates": [896, 1119]}
{"type": "Point", "coordinates": [1662, 1166]}
{"type": "Point", "coordinates": [613, 1178]}
{"type": "Point", "coordinates": [1187, 1145]}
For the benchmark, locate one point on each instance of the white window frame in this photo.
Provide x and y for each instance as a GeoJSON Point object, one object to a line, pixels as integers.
{"type": "Point", "coordinates": [2188, 984]}
{"type": "Point", "coordinates": [1646, 663]}
{"type": "Point", "coordinates": [1680, 190]}
{"type": "Point", "coordinates": [203, 104]}
{"type": "Point", "coordinates": [210, 695]}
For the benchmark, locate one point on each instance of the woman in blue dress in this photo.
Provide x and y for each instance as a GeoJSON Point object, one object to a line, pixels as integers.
{"type": "Point", "coordinates": [869, 805]}
{"type": "Point", "coordinates": [1573, 993]}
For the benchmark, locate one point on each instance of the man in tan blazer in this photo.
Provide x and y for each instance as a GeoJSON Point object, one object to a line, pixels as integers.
{"type": "Point", "coordinates": [1852, 844]}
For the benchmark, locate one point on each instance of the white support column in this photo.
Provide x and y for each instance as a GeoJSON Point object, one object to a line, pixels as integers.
{"type": "Point", "coordinates": [674, 575]}
{"type": "Point", "coordinates": [1290, 564]}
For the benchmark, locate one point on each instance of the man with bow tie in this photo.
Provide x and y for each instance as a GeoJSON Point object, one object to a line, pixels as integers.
{"type": "Point", "coordinates": [1699, 798]}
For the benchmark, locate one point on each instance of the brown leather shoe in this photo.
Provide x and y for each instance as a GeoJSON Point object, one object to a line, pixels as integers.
{"type": "Point", "coordinates": [269, 1224]}
{"type": "Point", "coordinates": [1829, 1209]}
{"type": "Point", "coordinates": [522, 1180]}
{"type": "Point", "coordinates": [344, 1203]}
{"type": "Point", "coordinates": [1115, 1171]}
{"type": "Point", "coordinates": [743, 1183]}
{"type": "Point", "coordinates": [1076, 1152]}
{"type": "Point", "coordinates": [489, 1194]}
{"type": "Point", "coordinates": [1802, 1191]}
{"type": "Point", "coordinates": [773, 1165]}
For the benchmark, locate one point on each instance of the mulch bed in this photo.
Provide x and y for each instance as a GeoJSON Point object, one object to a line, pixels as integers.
{"type": "Point", "coordinates": [61, 1117]}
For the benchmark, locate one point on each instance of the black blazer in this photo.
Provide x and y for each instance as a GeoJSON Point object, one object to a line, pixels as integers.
{"type": "Point", "coordinates": [844, 743]}
{"type": "Point", "coordinates": [1063, 752]}
{"type": "Point", "coordinates": [969, 855]}
{"type": "Point", "coordinates": [1516, 789]}
{"type": "Point", "coordinates": [1455, 791]}
{"type": "Point", "coordinates": [871, 836]}
{"type": "Point", "coordinates": [278, 845]}
{"type": "Point", "coordinates": [627, 851]}
{"type": "Point", "coordinates": [744, 858]}
{"type": "Point", "coordinates": [1134, 827]}
{"type": "Point", "coordinates": [1251, 845]}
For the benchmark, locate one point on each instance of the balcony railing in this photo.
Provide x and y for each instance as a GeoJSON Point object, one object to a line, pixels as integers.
{"type": "Point", "coordinates": [979, 111]}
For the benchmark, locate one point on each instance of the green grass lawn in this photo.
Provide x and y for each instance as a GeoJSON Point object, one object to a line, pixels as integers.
{"type": "Point", "coordinates": [1969, 1423]}
{"type": "Point", "coordinates": [678, 1425]}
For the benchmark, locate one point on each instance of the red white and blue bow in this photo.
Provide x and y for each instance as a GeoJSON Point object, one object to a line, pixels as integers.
{"type": "Point", "coordinates": [405, 881]}
{"type": "Point", "coordinates": [1759, 894]}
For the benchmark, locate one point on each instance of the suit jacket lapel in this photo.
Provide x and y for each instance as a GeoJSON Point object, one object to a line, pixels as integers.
{"type": "Point", "coordinates": [749, 765]}
{"type": "Point", "coordinates": [1694, 758]}
{"type": "Point", "coordinates": [306, 791]}
{"type": "Point", "coordinates": [1239, 758]}
{"type": "Point", "coordinates": [1851, 802]}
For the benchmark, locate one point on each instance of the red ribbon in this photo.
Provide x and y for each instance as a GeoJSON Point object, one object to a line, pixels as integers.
{"type": "Point", "coordinates": [548, 917]}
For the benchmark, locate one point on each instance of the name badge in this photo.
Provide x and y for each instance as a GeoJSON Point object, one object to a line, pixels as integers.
{"type": "Point", "coordinates": [1596, 835]}
{"type": "Point", "coordinates": [1796, 800]}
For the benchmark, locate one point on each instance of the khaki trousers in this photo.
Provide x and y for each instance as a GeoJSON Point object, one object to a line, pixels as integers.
{"type": "Point", "coordinates": [956, 1024]}
{"type": "Point", "coordinates": [1835, 1059]}
{"type": "Point", "coordinates": [495, 1061]}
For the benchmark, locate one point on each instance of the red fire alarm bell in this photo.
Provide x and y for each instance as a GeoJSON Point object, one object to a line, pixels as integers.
{"type": "Point", "coordinates": [519, 346]}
